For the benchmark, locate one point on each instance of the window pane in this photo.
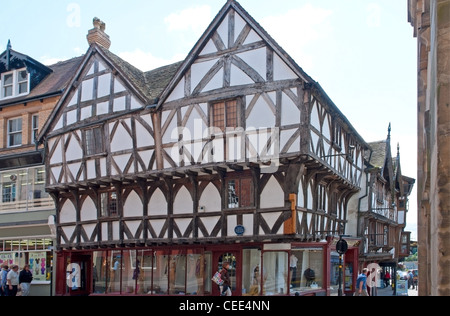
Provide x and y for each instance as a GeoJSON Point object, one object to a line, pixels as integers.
{"type": "Point", "coordinates": [233, 198]}
{"type": "Point", "coordinates": [15, 125]}
{"type": "Point", "coordinates": [195, 274]}
{"type": "Point", "coordinates": [8, 80]}
{"type": "Point", "coordinates": [177, 273]}
{"type": "Point", "coordinates": [251, 269]}
{"type": "Point", "coordinates": [100, 273]}
{"type": "Point", "coordinates": [219, 116]}
{"type": "Point", "coordinates": [116, 269]}
{"type": "Point", "coordinates": [94, 141]}
{"type": "Point", "coordinates": [7, 91]}
{"type": "Point", "coordinates": [15, 139]}
{"type": "Point", "coordinates": [109, 204]}
{"type": "Point", "coordinates": [129, 269]}
{"type": "Point", "coordinates": [309, 270]}
{"type": "Point", "coordinates": [232, 118]}
{"type": "Point", "coordinates": [161, 273]}
{"type": "Point", "coordinates": [143, 272]}
{"type": "Point", "coordinates": [22, 76]}
{"type": "Point", "coordinates": [275, 273]}
{"type": "Point", "coordinates": [23, 87]}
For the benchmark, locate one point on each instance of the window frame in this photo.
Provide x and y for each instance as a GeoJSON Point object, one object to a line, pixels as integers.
{"type": "Point", "coordinates": [99, 144]}
{"type": "Point", "coordinates": [10, 133]}
{"type": "Point", "coordinates": [106, 213]}
{"type": "Point", "coordinates": [34, 127]}
{"type": "Point", "coordinates": [239, 111]}
{"type": "Point", "coordinates": [240, 178]}
{"type": "Point", "coordinates": [15, 85]}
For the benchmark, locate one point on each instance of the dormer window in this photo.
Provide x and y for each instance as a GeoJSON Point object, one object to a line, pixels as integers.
{"type": "Point", "coordinates": [15, 83]}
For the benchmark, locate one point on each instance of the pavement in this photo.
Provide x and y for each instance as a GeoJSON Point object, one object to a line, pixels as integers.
{"type": "Point", "coordinates": [389, 292]}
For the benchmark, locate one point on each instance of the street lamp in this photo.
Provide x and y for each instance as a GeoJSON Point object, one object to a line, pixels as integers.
{"type": "Point", "coordinates": [341, 248]}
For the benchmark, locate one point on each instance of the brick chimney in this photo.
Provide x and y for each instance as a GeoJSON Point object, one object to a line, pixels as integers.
{"type": "Point", "coordinates": [97, 34]}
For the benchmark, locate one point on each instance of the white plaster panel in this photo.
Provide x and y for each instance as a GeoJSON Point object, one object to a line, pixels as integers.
{"type": "Point", "coordinates": [116, 230]}
{"type": "Point", "coordinates": [209, 223]}
{"type": "Point", "coordinates": [158, 225]}
{"type": "Point", "coordinates": [252, 38]}
{"type": "Point", "coordinates": [209, 48]}
{"type": "Point", "coordinates": [158, 204]}
{"type": "Point", "coordinates": [71, 117]}
{"type": "Point", "coordinates": [178, 92]}
{"type": "Point", "coordinates": [216, 82]}
{"type": "Point", "coordinates": [119, 104]}
{"type": "Point", "coordinates": [74, 99]}
{"type": "Point", "coordinates": [133, 206]}
{"type": "Point", "coordinates": [238, 77]}
{"type": "Point", "coordinates": [104, 85]}
{"type": "Point", "coordinates": [144, 138]}
{"type": "Point", "coordinates": [133, 226]}
{"type": "Point", "coordinates": [74, 169]}
{"type": "Point", "coordinates": [314, 140]}
{"type": "Point", "coordinates": [232, 223]}
{"type": "Point", "coordinates": [290, 114]}
{"type": "Point", "coordinates": [122, 140]}
{"type": "Point", "coordinates": [183, 202]}
{"type": "Point", "coordinates": [104, 231]}
{"type": "Point", "coordinates": [86, 113]}
{"type": "Point", "coordinates": [271, 218]}
{"type": "Point", "coordinates": [103, 108]}
{"type": "Point", "coordinates": [257, 59]}
{"type": "Point", "coordinates": [74, 150]}
{"type": "Point", "coordinates": [68, 213]}
{"type": "Point", "coordinates": [310, 198]}
{"type": "Point", "coordinates": [171, 134]}
{"type": "Point", "coordinates": [135, 104]}
{"type": "Point", "coordinates": [300, 197]}
{"type": "Point", "coordinates": [118, 86]}
{"type": "Point", "coordinates": [91, 70]}
{"type": "Point", "coordinates": [103, 168]}
{"type": "Point", "coordinates": [88, 210]}
{"type": "Point", "coordinates": [222, 30]}
{"type": "Point", "coordinates": [195, 127]}
{"type": "Point", "coordinates": [146, 156]}
{"type": "Point", "coordinates": [281, 71]}
{"type": "Point", "coordinates": [315, 121]}
{"type": "Point", "coordinates": [326, 128]}
{"type": "Point", "coordinates": [56, 172]}
{"type": "Point", "coordinates": [198, 71]}
{"type": "Point", "coordinates": [57, 154]}
{"type": "Point", "coordinates": [101, 66]}
{"type": "Point", "coordinates": [87, 90]}
{"type": "Point", "coordinates": [91, 173]}
{"type": "Point", "coordinates": [261, 115]}
{"type": "Point", "coordinates": [183, 224]}
{"type": "Point", "coordinates": [239, 25]}
{"type": "Point", "coordinates": [89, 229]}
{"type": "Point", "coordinates": [211, 200]}
{"type": "Point", "coordinates": [273, 195]}
{"type": "Point", "coordinates": [122, 161]}
{"type": "Point", "coordinates": [60, 124]}
{"type": "Point", "coordinates": [285, 136]}
{"type": "Point", "coordinates": [69, 231]}
{"type": "Point", "coordinates": [248, 224]}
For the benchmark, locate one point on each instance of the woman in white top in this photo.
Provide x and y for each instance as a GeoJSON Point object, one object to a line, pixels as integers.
{"type": "Point", "coordinates": [12, 281]}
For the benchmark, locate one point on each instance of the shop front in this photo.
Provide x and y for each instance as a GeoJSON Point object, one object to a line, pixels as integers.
{"type": "Point", "coordinates": [255, 270]}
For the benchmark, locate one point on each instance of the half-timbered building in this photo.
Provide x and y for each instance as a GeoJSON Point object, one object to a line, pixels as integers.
{"type": "Point", "coordinates": [234, 154]}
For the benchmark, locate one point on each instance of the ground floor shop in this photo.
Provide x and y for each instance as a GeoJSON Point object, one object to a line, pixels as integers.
{"type": "Point", "coordinates": [255, 270]}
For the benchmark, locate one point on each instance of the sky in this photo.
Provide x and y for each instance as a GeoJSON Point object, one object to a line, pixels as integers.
{"type": "Point", "coordinates": [362, 52]}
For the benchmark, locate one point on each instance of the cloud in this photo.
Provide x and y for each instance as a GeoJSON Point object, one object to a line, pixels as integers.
{"type": "Point", "coordinates": [298, 28]}
{"type": "Point", "coordinates": [191, 19]}
{"type": "Point", "coordinates": [48, 61]}
{"type": "Point", "coordinates": [146, 61]}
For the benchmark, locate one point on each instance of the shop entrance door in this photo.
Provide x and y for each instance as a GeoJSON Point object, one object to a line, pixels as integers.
{"type": "Point", "coordinates": [78, 275]}
{"type": "Point", "coordinates": [233, 257]}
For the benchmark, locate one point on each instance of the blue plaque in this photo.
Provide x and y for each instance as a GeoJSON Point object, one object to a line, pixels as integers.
{"type": "Point", "coordinates": [239, 230]}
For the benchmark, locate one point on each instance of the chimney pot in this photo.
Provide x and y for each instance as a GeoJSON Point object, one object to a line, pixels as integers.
{"type": "Point", "coordinates": [97, 34]}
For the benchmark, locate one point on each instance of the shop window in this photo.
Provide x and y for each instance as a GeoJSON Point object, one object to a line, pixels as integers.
{"type": "Point", "coordinates": [308, 270]}
{"type": "Point", "coordinates": [161, 274]}
{"type": "Point", "coordinates": [275, 273]}
{"type": "Point", "coordinates": [195, 273]}
{"type": "Point", "coordinates": [177, 273]}
{"type": "Point", "coordinates": [101, 271]}
{"type": "Point", "coordinates": [251, 272]}
{"type": "Point", "coordinates": [143, 271]}
{"type": "Point", "coordinates": [240, 193]}
{"type": "Point", "coordinates": [208, 271]}
{"type": "Point", "coordinates": [116, 271]}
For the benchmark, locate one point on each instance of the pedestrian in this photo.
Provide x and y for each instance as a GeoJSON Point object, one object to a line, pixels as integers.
{"type": "Point", "coordinates": [226, 286]}
{"type": "Point", "coordinates": [25, 278]}
{"type": "Point", "coordinates": [3, 274]}
{"type": "Point", "coordinates": [361, 284]}
{"type": "Point", "coordinates": [387, 279]}
{"type": "Point", "coordinates": [12, 281]}
{"type": "Point", "coordinates": [410, 280]}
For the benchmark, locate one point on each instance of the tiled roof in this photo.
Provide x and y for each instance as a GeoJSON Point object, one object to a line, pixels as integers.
{"type": "Point", "coordinates": [378, 155]}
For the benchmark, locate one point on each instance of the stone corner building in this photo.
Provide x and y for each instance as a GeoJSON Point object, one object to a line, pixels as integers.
{"type": "Point", "coordinates": [431, 22]}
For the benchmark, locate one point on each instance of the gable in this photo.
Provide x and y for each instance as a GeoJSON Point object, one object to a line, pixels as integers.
{"type": "Point", "coordinates": [234, 51]}
{"type": "Point", "coordinates": [98, 92]}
